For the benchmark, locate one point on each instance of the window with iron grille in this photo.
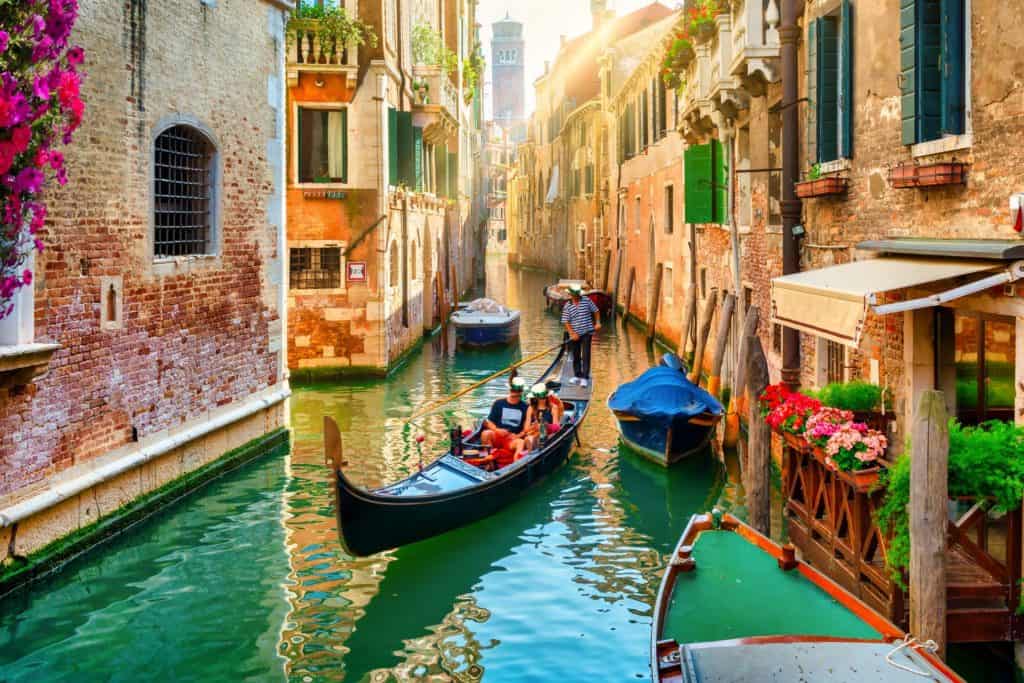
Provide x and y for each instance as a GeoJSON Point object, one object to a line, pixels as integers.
{"type": "Point", "coordinates": [835, 358]}
{"type": "Point", "coordinates": [182, 192]}
{"type": "Point", "coordinates": [315, 268]}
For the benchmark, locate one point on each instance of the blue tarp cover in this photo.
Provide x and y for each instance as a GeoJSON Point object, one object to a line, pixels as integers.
{"type": "Point", "coordinates": [663, 393]}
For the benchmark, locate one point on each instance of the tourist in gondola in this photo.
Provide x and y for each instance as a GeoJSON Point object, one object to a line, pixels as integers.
{"type": "Point", "coordinates": [581, 319]}
{"type": "Point", "coordinates": [544, 416]}
{"type": "Point", "coordinates": [505, 425]}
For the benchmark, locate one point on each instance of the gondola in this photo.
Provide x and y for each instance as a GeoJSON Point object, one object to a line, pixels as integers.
{"type": "Point", "coordinates": [484, 322]}
{"type": "Point", "coordinates": [557, 295]}
{"type": "Point", "coordinates": [734, 606]}
{"type": "Point", "coordinates": [449, 492]}
{"type": "Point", "coordinates": [662, 415]}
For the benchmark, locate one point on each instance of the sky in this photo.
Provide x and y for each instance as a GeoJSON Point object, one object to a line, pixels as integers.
{"type": "Point", "coordinates": [543, 22]}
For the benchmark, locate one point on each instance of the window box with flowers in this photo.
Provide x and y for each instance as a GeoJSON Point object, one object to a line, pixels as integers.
{"type": "Point", "coordinates": [818, 185]}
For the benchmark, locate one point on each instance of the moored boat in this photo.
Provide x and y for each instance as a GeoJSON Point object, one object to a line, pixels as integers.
{"type": "Point", "coordinates": [557, 295]}
{"type": "Point", "coordinates": [734, 606]}
{"type": "Point", "coordinates": [484, 322]}
{"type": "Point", "coordinates": [451, 491]}
{"type": "Point", "coordinates": [662, 415]}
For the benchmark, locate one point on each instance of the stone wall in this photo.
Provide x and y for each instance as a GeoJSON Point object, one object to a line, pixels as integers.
{"type": "Point", "coordinates": [197, 333]}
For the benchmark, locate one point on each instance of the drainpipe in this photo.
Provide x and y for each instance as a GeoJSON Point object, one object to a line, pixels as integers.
{"type": "Point", "coordinates": [789, 37]}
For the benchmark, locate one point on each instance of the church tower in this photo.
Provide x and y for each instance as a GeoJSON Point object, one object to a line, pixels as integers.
{"type": "Point", "coordinates": [508, 75]}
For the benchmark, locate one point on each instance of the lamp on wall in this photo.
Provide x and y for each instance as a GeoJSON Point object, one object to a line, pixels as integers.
{"type": "Point", "coordinates": [319, 82]}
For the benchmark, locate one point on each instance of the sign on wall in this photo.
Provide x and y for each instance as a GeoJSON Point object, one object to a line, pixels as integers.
{"type": "Point", "coordinates": [356, 271]}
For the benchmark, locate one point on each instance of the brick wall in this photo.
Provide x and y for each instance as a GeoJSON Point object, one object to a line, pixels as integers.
{"type": "Point", "coordinates": [197, 333]}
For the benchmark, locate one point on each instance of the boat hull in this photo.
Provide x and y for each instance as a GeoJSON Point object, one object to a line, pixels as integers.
{"type": "Point", "coordinates": [478, 335]}
{"type": "Point", "coordinates": [601, 299]}
{"type": "Point", "coordinates": [661, 444]}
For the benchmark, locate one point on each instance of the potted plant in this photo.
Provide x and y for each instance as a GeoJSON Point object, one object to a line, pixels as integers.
{"type": "Point", "coordinates": [701, 17]}
{"type": "Point", "coordinates": [787, 413]}
{"type": "Point", "coordinates": [868, 402]}
{"type": "Point", "coordinates": [817, 185]}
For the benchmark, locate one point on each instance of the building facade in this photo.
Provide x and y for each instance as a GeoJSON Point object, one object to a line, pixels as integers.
{"type": "Point", "coordinates": [151, 344]}
{"type": "Point", "coordinates": [384, 217]}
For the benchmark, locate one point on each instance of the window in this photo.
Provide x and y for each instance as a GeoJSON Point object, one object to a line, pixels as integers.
{"type": "Point", "coordinates": [315, 268]}
{"type": "Point", "coordinates": [835, 362]}
{"type": "Point", "coordinates": [744, 200]}
{"type": "Point", "coordinates": [703, 283]}
{"type": "Point", "coordinates": [830, 85]}
{"type": "Point", "coordinates": [670, 209]}
{"type": "Point", "coordinates": [183, 173]}
{"type": "Point", "coordinates": [323, 145]}
{"type": "Point", "coordinates": [637, 216]}
{"type": "Point", "coordinates": [666, 282]}
{"type": "Point", "coordinates": [775, 161]}
{"type": "Point", "coordinates": [933, 68]}
{"type": "Point", "coordinates": [661, 109]}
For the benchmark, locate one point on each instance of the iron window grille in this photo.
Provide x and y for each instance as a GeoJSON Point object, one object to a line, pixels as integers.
{"type": "Point", "coordinates": [183, 192]}
{"type": "Point", "coordinates": [315, 268]}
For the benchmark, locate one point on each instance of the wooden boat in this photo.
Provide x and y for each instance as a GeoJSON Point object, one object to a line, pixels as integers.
{"type": "Point", "coordinates": [484, 322]}
{"type": "Point", "coordinates": [449, 492]}
{"type": "Point", "coordinates": [557, 295]}
{"type": "Point", "coordinates": [734, 606]}
{"type": "Point", "coordinates": [663, 416]}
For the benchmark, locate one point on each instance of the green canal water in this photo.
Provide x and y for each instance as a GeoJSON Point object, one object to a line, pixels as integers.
{"type": "Point", "coordinates": [245, 579]}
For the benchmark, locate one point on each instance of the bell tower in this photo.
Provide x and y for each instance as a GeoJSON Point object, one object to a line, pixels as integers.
{"type": "Point", "coordinates": [598, 11]}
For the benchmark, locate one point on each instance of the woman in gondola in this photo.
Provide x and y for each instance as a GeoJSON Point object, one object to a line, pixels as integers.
{"type": "Point", "coordinates": [544, 413]}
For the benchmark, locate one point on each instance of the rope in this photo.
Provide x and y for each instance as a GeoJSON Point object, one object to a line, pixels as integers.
{"type": "Point", "coordinates": [431, 408]}
{"type": "Point", "coordinates": [911, 641]}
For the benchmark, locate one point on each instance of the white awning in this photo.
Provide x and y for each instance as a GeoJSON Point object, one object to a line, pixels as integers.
{"type": "Point", "coordinates": [833, 302]}
{"type": "Point", "coordinates": [553, 186]}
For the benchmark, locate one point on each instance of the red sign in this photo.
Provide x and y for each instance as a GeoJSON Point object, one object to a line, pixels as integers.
{"type": "Point", "coordinates": [356, 271]}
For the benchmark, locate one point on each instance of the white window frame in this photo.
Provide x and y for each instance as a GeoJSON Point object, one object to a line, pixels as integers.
{"type": "Point", "coordinates": [319, 244]}
{"type": "Point", "coordinates": [293, 161]}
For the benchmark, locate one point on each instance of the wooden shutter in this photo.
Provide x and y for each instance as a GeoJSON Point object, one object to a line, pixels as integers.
{"type": "Point", "coordinates": [929, 70]}
{"type": "Point", "coordinates": [393, 174]}
{"type": "Point", "coordinates": [645, 126]}
{"type": "Point", "coordinates": [406, 150]}
{"type": "Point", "coordinates": [828, 88]}
{"type": "Point", "coordinates": [697, 184]}
{"type": "Point", "coordinates": [720, 183]}
{"type": "Point", "coordinates": [846, 81]}
{"type": "Point", "coordinates": [417, 143]}
{"type": "Point", "coordinates": [812, 91]}
{"type": "Point", "coordinates": [908, 69]}
{"type": "Point", "coordinates": [953, 67]}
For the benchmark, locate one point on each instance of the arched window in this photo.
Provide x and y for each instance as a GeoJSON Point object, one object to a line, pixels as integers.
{"type": "Point", "coordinates": [412, 261]}
{"type": "Point", "coordinates": [395, 263]}
{"type": "Point", "coordinates": [183, 192]}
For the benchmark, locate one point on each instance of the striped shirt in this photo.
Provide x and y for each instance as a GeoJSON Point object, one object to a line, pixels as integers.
{"type": "Point", "coordinates": [580, 316]}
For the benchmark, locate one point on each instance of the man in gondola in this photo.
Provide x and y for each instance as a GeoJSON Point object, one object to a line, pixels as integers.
{"type": "Point", "coordinates": [581, 319]}
{"type": "Point", "coordinates": [505, 424]}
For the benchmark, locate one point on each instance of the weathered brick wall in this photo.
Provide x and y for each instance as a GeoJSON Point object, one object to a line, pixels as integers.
{"type": "Point", "coordinates": [197, 333]}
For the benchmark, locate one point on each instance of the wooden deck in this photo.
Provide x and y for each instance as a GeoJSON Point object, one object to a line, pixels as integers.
{"type": "Point", "coordinates": [833, 525]}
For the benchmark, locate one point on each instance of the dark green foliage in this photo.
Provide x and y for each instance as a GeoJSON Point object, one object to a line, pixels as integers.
{"type": "Point", "coordinates": [855, 396]}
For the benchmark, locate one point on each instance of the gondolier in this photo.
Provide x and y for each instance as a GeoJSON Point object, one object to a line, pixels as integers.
{"type": "Point", "coordinates": [581, 319]}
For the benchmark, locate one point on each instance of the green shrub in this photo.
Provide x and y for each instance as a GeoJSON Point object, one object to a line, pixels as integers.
{"type": "Point", "coordinates": [856, 396]}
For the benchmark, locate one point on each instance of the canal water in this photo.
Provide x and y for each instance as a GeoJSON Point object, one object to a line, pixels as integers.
{"type": "Point", "coordinates": [245, 580]}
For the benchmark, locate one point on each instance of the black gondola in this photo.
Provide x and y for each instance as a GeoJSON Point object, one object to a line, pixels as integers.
{"type": "Point", "coordinates": [449, 492]}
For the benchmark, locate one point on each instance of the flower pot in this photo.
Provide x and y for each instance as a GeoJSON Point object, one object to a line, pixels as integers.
{"type": "Point", "coordinates": [875, 420]}
{"type": "Point", "coordinates": [861, 481]}
{"type": "Point", "coordinates": [928, 175]}
{"type": "Point", "coordinates": [705, 30]}
{"type": "Point", "coordinates": [795, 442]}
{"type": "Point", "coordinates": [821, 187]}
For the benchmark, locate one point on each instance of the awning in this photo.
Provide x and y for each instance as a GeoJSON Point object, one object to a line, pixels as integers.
{"type": "Point", "coordinates": [553, 186]}
{"type": "Point", "coordinates": [833, 302]}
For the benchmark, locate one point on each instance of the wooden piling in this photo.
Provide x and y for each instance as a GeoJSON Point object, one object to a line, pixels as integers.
{"type": "Point", "coordinates": [606, 271]}
{"type": "Point", "coordinates": [629, 294]}
{"type": "Point", "coordinates": [929, 494]}
{"type": "Point", "coordinates": [703, 330]}
{"type": "Point", "coordinates": [652, 324]}
{"type": "Point", "coordinates": [738, 398]}
{"type": "Point", "coordinates": [759, 444]}
{"type": "Point", "coordinates": [455, 287]}
{"type": "Point", "coordinates": [721, 339]}
{"type": "Point", "coordinates": [689, 322]}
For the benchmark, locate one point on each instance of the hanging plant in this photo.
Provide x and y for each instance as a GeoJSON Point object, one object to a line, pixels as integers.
{"type": "Point", "coordinates": [429, 49]}
{"type": "Point", "coordinates": [334, 26]}
{"type": "Point", "coordinates": [472, 68]}
{"type": "Point", "coordinates": [40, 109]}
{"type": "Point", "coordinates": [701, 18]}
{"type": "Point", "coordinates": [677, 58]}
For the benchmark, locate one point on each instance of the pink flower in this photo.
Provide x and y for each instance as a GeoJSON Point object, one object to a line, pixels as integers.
{"type": "Point", "coordinates": [76, 56]}
{"type": "Point", "coordinates": [5, 39]}
{"type": "Point", "coordinates": [26, 277]}
{"type": "Point", "coordinates": [29, 180]}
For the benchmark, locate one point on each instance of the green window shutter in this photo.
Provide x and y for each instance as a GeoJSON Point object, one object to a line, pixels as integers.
{"type": "Point", "coordinates": [344, 145]}
{"type": "Point", "coordinates": [846, 81]}
{"type": "Point", "coordinates": [441, 171]}
{"type": "Point", "coordinates": [417, 143]}
{"type": "Point", "coordinates": [406, 150]}
{"type": "Point", "coordinates": [697, 184]}
{"type": "Point", "coordinates": [953, 62]}
{"type": "Point", "coordinates": [720, 183]}
{"type": "Point", "coordinates": [929, 70]}
{"type": "Point", "coordinates": [453, 175]}
{"type": "Point", "coordinates": [908, 69]}
{"type": "Point", "coordinates": [392, 146]}
{"type": "Point", "coordinates": [828, 88]}
{"type": "Point", "coordinates": [812, 91]}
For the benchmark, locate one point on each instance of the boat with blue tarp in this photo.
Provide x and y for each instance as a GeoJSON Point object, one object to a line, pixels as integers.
{"type": "Point", "coordinates": [735, 606]}
{"type": "Point", "coordinates": [485, 322]}
{"type": "Point", "coordinates": [664, 416]}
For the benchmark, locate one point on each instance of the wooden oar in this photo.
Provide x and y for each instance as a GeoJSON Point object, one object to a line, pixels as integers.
{"type": "Point", "coordinates": [499, 373]}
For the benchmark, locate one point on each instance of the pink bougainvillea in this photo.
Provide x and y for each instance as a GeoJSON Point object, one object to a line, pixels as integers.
{"type": "Point", "coordinates": [40, 108]}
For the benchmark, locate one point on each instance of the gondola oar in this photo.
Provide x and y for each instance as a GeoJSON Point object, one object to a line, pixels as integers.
{"type": "Point", "coordinates": [499, 373]}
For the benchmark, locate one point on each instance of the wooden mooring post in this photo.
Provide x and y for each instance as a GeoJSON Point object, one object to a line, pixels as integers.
{"type": "Point", "coordinates": [758, 471]}
{"type": "Point", "coordinates": [738, 398]}
{"type": "Point", "coordinates": [652, 323]}
{"type": "Point", "coordinates": [721, 339]}
{"type": "Point", "coordinates": [455, 287]}
{"type": "Point", "coordinates": [929, 493]}
{"type": "Point", "coordinates": [689, 321]}
{"type": "Point", "coordinates": [629, 294]}
{"type": "Point", "coordinates": [703, 330]}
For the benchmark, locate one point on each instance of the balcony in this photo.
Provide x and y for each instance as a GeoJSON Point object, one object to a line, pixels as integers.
{"type": "Point", "coordinates": [436, 103]}
{"type": "Point", "coordinates": [308, 53]}
{"type": "Point", "coordinates": [755, 42]}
